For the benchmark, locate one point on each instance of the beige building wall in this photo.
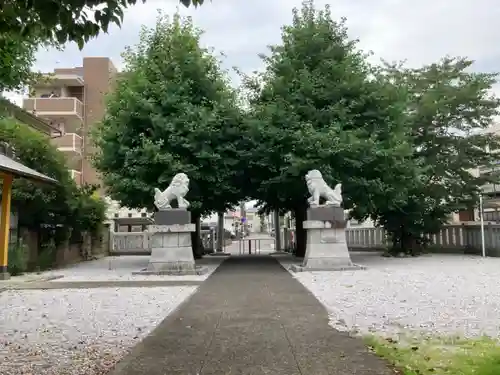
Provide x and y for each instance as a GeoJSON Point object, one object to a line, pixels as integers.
{"type": "Point", "coordinates": [73, 101]}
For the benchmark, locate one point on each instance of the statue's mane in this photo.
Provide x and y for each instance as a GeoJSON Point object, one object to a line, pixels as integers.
{"type": "Point", "coordinates": [178, 180]}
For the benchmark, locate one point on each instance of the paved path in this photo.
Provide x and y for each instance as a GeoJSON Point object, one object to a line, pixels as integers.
{"type": "Point", "coordinates": [250, 317]}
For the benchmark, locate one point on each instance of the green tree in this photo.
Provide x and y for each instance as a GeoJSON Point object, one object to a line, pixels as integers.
{"type": "Point", "coordinates": [319, 106]}
{"type": "Point", "coordinates": [62, 208]}
{"type": "Point", "coordinates": [173, 111]}
{"type": "Point", "coordinates": [64, 20]}
{"type": "Point", "coordinates": [447, 110]}
{"type": "Point", "coordinates": [17, 57]}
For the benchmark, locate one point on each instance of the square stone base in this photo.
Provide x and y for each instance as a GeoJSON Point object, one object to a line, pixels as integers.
{"type": "Point", "coordinates": [327, 214]}
{"type": "Point", "coordinates": [300, 268]}
{"type": "Point", "coordinates": [171, 252]}
{"type": "Point", "coordinates": [4, 276]}
{"type": "Point", "coordinates": [197, 270]}
{"type": "Point", "coordinates": [172, 216]}
{"type": "Point", "coordinates": [326, 248]}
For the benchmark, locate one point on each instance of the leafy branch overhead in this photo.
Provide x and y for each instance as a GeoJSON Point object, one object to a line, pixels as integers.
{"type": "Point", "coordinates": [64, 20]}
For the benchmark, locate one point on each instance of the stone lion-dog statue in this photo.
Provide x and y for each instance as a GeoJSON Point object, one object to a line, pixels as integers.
{"type": "Point", "coordinates": [177, 190]}
{"type": "Point", "coordinates": [319, 188]}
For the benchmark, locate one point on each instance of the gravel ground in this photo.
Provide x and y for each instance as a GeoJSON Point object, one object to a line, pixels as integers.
{"type": "Point", "coordinates": [121, 268]}
{"type": "Point", "coordinates": [438, 294]}
{"type": "Point", "coordinates": [82, 332]}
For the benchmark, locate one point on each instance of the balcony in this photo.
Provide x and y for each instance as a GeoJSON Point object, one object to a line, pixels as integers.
{"type": "Point", "coordinates": [57, 107]}
{"type": "Point", "coordinates": [490, 189]}
{"type": "Point", "coordinates": [76, 176]}
{"type": "Point", "coordinates": [69, 142]}
{"type": "Point", "coordinates": [60, 80]}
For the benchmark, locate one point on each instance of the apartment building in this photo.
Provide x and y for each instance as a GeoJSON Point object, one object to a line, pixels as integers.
{"type": "Point", "coordinates": [72, 100]}
{"type": "Point", "coordinates": [6, 107]}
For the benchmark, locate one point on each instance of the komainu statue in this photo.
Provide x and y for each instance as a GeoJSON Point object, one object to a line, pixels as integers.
{"type": "Point", "coordinates": [319, 188]}
{"type": "Point", "coordinates": [177, 190]}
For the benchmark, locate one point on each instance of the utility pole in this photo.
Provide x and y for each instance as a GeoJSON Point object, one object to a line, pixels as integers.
{"type": "Point", "coordinates": [243, 224]}
{"type": "Point", "coordinates": [481, 213]}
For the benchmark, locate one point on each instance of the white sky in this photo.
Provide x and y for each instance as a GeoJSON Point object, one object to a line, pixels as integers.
{"type": "Point", "coordinates": [419, 31]}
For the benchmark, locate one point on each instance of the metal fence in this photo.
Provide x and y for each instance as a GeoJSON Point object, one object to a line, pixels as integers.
{"type": "Point", "coordinates": [250, 246]}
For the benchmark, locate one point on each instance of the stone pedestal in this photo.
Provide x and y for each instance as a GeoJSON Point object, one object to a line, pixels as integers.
{"type": "Point", "coordinates": [171, 252]}
{"type": "Point", "coordinates": [326, 241]}
{"type": "Point", "coordinates": [172, 216]}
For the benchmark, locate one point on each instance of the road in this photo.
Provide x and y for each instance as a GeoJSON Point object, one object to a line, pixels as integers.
{"type": "Point", "coordinates": [262, 243]}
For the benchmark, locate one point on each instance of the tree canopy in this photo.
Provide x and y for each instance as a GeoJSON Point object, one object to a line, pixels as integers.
{"type": "Point", "coordinates": [64, 20]}
{"type": "Point", "coordinates": [448, 110]}
{"type": "Point", "coordinates": [319, 106]}
{"type": "Point", "coordinates": [18, 56]}
{"type": "Point", "coordinates": [173, 111]}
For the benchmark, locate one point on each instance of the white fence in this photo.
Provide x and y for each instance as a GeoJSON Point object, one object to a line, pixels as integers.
{"type": "Point", "coordinates": [138, 243]}
{"type": "Point", "coordinates": [450, 238]}
{"type": "Point", "coordinates": [462, 237]}
{"type": "Point", "coordinates": [130, 243]}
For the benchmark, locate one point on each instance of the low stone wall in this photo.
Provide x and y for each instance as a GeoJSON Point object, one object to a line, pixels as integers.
{"type": "Point", "coordinates": [66, 253]}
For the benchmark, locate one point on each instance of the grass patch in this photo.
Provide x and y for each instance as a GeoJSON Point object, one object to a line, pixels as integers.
{"type": "Point", "coordinates": [439, 356]}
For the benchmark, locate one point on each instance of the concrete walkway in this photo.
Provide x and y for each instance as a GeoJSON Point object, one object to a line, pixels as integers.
{"type": "Point", "coordinates": [250, 317]}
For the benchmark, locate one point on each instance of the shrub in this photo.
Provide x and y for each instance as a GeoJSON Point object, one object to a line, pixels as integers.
{"type": "Point", "coordinates": [18, 259]}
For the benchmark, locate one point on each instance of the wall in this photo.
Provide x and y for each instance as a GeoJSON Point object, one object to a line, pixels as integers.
{"type": "Point", "coordinates": [68, 253]}
{"type": "Point", "coordinates": [98, 78]}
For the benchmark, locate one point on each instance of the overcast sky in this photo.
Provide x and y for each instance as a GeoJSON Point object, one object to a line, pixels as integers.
{"type": "Point", "coordinates": [419, 31]}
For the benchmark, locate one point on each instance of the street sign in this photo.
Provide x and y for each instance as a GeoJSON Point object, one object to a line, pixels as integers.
{"type": "Point", "coordinates": [243, 219]}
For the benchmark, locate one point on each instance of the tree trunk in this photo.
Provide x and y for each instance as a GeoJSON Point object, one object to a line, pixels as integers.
{"type": "Point", "coordinates": [220, 232]}
{"type": "Point", "coordinates": [301, 236]}
{"type": "Point", "coordinates": [405, 243]}
{"type": "Point", "coordinates": [196, 237]}
{"type": "Point", "coordinates": [412, 246]}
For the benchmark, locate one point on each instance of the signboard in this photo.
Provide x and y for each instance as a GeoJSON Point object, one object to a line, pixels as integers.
{"type": "Point", "coordinates": [243, 219]}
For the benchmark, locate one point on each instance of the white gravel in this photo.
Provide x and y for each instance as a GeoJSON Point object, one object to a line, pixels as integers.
{"type": "Point", "coordinates": [121, 268]}
{"type": "Point", "coordinates": [438, 294]}
{"type": "Point", "coordinates": [84, 332]}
